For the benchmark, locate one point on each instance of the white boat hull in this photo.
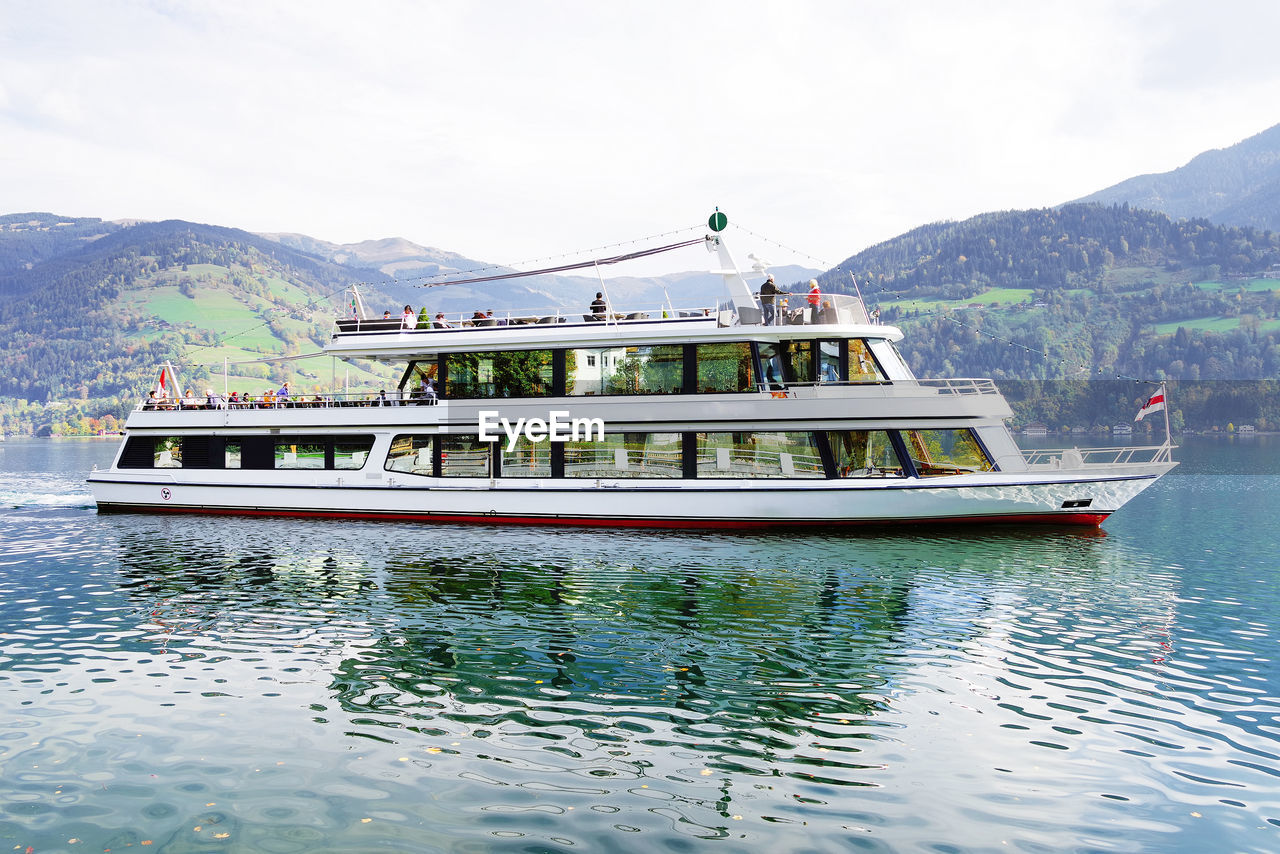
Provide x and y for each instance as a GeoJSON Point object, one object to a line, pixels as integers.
{"type": "Point", "coordinates": [1063, 498]}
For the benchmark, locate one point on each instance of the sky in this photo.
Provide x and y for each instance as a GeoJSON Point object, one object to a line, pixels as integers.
{"type": "Point", "coordinates": [514, 132]}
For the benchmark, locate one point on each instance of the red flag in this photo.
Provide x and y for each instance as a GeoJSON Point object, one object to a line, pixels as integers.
{"type": "Point", "coordinates": [1155, 403]}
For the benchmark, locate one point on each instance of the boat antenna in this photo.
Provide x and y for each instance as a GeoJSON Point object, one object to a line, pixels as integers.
{"type": "Point", "coordinates": [857, 290]}
{"type": "Point", "coordinates": [582, 265]}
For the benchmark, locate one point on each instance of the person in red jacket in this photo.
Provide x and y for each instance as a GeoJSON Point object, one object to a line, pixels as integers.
{"type": "Point", "coordinates": [815, 298]}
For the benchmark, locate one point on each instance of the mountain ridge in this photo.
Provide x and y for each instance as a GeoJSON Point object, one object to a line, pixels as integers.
{"type": "Point", "coordinates": [1236, 185]}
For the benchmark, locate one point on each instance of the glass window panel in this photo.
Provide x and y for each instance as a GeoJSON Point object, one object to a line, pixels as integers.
{"type": "Point", "coordinates": [526, 459]}
{"type": "Point", "coordinates": [411, 454]}
{"type": "Point", "coordinates": [725, 367]}
{"type": "Point", "coordinates": [421, 380]}
{"type": "Point", "coordinates": [525, 373]}
{"type": "Point", "coordinates": [351, 452]}
{"type": "Point", "coordinates": [626, 455]}
{"type": "Point", "coordinates": [829, 362]}
{"type": "Point", "coordinates": [231, 455]}
{"type": "Point", "coordinates": [864, 453]}
{"type": "Point", "coordinates": [773, 365]}
{"type": "Point", "coordinates": [168, 453]}
{"type": "Point", "coordinates": [756, 455]}
{"type": "Point", "coordinates": [293, 454]}
{"type": "Point", "coordinates": [463, 456]}
{"type": "Point", "coordinates": [800, 361]}
{"type": "Point", "coordinates": [862, 365]}
{"type": "Point", "coordinates": [942, 452]}
{"type": "Point", "coordinates": [657, 369]}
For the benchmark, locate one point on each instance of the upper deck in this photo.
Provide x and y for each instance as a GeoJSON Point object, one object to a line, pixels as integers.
{"type": "Point", "coordinates": [839, 316]}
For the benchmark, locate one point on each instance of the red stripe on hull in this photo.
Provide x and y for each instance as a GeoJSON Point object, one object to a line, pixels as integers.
{"type": "Point", "coordinates": [1092, 520]}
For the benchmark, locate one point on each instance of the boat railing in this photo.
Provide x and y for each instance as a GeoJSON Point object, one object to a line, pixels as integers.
{"type": "Point", "coordinates": [544, 315]}
{"type": "Point", "coordinates": [1071, 458]}
{"type": "Point", "coordinates": [319, 401]}
{"type": "Point", "coordinates": [789, 310]}
{"type": "Point", "coordinates": [962, 385]}
{"type": "Point", "coordinates": [796, 310]}
{"type": "Point", "coordinates": [944, 386]}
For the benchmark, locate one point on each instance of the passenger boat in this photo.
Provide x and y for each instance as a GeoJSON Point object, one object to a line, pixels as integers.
{"type": "Point", "coordinates": [706, 417]}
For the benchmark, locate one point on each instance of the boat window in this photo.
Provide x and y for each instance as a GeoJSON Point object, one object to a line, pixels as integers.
{"type": "Point", "coordinates": [943, 452]}
{"type": "Point", "coordinates": [863, 367]}
{"type": "Point", "coordinates": [626, 455]}
{"type": "Point", "coordinates": [725, 367]}
{"type": "Point", "coordinates": [526, 459]}
{"type": "Point", "coordinates": [773, 365]}
{"type": "Point", "coordinates": [350, 452]}
{"type": "Point", "coordinates": [410, 454]}
{"type": "Point", "coordinates": [138, 453]}
{"type": "Point", "coordinates": [420, 370]}
{"type": "Point", "coordinates": [829, 370]}
{"type": "Point", "coordinates": [800, 361]}
{"type": "Point", "coordinates": [231, 455]}
{"type": "Point", "coordinates": [522, 373]}
{"type": "Point", "coordinates": [864, 453]}
{"type": "Point", "coordinates": [759, 454]}
{"type": "Point", "coordinates": [656, 369]}
{"type": "Point", "coordinates": [299, 454]}
{"type": "Point", "coordinates": [168, 453]}
{"type": "Point", "coordinates": [463, 456]}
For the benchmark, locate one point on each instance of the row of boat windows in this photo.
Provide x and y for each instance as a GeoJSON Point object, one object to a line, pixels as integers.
{"type": "Point", "coordinates": [753, 454]}
{"type": "Point", "coordinates": [655, 369]}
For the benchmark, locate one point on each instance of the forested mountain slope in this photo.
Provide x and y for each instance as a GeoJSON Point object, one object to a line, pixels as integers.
{"type": "Point", "coordinates": [92, 321]}
{"type": "Point", "coordinates": [1078, 293]}
{"type": "Point", "coordinates": [1238, 185]}
{"type": "Point", "coordinates": [1041, 300]}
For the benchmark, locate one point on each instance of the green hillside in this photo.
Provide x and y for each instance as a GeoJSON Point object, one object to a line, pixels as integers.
{"type": "Point", "coordinates": [87, 327]}
{"type": "Point", "coordinates": [1085, 292]}
{"type": "Point", "coordinates": [1047, 302]}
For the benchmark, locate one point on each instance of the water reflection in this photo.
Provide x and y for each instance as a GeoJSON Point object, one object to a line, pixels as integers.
{"type": "Point", "coordinates": [571, 688]}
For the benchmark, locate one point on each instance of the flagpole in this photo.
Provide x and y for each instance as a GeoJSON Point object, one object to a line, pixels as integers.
{"type": "Point", "coordinates": [1168, 434]}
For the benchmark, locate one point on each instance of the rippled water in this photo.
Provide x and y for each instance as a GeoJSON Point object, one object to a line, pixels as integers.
{"type": "Point", "coordinates": [302, 686]}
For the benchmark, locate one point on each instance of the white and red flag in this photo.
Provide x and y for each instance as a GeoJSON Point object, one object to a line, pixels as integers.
{"type": "Point", "coordinates": [161, 387]}
{"type": "Point", "coordinates": [1155, 403]}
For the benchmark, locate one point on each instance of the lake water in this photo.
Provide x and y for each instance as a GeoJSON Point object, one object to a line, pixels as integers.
{"type": "Point", "coordinates": [255, 685]}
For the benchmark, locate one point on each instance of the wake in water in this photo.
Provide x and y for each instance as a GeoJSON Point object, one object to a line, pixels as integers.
{"type": "Point", "coordinates": [44, 490]}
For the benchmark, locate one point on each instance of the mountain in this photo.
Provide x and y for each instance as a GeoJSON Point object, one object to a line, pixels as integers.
{"type": "Point", "coordinates": [1239, 185]}
{"type": "Point", "coordinates": [89, 309]}
{"type": "Point", "coordinates": [32, 238]}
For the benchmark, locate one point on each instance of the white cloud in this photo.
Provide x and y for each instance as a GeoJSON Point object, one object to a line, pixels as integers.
{"type": "Point", "coordinates": [512, 130]}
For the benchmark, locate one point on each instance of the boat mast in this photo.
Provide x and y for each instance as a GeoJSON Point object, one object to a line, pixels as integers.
{"type": "Point", "coordinates": [739, 291]}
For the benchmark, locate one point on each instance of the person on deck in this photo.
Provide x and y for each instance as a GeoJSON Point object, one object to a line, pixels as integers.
{"type": "Point", "coordinates": [440, 321]}
{"type": "Point", "coordinates": [282, 395]}
{"type": "Point", "coordinates": [768, 294]}
{"type": "Point", "coordinates": [408, 320]}
{"type": "Point", "coordinates": [814, 298]}
{"type": "Point", "coordinates": [598, 306]}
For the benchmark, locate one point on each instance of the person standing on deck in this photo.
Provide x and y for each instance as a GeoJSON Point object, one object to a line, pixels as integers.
{"type": "Point", "coordinates": [815, 298]}
{"type": "Point", "coordinates": [768, 294]}
{"type": "Point", "coordinates": [408, 320]}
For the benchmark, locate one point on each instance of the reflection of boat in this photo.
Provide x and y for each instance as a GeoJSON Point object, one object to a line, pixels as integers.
{"type": "Point", "coordinates": [696, 417]}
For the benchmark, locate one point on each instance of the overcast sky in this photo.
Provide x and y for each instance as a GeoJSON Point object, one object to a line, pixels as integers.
{"type": "Point", "coordinates": [512, 131]}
